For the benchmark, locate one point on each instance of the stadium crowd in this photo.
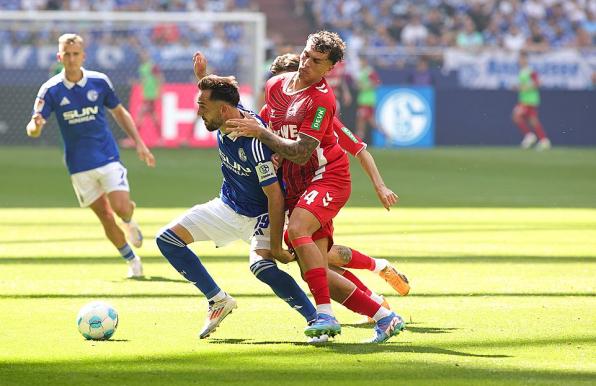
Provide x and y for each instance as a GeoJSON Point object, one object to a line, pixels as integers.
{"type": "Point", "coordinates": [511, 24]}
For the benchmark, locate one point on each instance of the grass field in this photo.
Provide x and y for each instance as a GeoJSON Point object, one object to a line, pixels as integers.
{"type": "Point", "coordinates": [499, 244]}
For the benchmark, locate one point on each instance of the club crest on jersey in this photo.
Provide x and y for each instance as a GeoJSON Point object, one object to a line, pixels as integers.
{"type": "Point", "coordinates": [242, 154]}
{"type": "Point", "coordinates": [319, 115]}
{"type": "Point", "coordinates": [92, 95]}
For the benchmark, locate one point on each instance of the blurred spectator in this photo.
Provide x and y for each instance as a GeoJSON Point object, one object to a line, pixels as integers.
{"type": "Point", "coordinates": [367, 83]}
{"type": "Point", "coordinates": [469, 37]}
{"type": "Point", "coordinates": [151, 80]}
{"type": "Point", "coordinates": [514, 39]}
{"type": "Point", "coordinates": [414, 32]}
{"type": "Point", "coordinates": [421, 75]}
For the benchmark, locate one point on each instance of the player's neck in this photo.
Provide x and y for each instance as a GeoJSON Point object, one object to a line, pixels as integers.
{"type": "Point", "coordinates": [74, 76]}
{"type": "Point", "coordinates": [298, 83]}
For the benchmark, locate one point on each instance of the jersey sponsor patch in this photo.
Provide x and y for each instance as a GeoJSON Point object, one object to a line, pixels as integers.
{"type": "Point", "coordinates": [349, 134]}
{"type": "Point", "coordinates": [319, 115]}
{"type": "Point", "coordinates": [265, 171]}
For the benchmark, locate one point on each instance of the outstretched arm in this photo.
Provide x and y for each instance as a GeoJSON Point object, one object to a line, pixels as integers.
{"type": "Point", "coordinates": [199, 62]}
{"type": "Point", "coordinates": [35, 125]}
{"type": "Point", "coordinates": [297, 151]}
{"type": "Point", "coordinates": [386, 195]}
{"type": "Point", "coordinates": [125, 121]}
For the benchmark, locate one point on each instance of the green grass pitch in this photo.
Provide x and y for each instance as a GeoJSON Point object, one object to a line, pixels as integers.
{"type": "Point", "coordinates": [499, 245]}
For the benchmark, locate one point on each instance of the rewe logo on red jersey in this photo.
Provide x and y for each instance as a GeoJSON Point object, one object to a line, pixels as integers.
{"type": "Point", "coordinates": [289, 131]}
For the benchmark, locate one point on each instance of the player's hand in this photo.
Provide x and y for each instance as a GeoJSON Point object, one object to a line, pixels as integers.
{"type": "Point", "coordinates": [145, 155]}
{"type": "Point", "coordinates": [387, 197]}
{"type": "Point", "coordinates": [282, 255]}
{"type": "Point", "coordinates": [199, 62]}
{"type": "Point", "coordinates": [244, 127]}
{"type": "Point", "coordinates": [35, 126]}
{"type": "Point", "coordinates": [276, 160]}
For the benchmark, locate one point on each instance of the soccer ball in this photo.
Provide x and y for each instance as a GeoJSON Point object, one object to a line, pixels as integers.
{"type": "Point", "coordinates": [97, 321]}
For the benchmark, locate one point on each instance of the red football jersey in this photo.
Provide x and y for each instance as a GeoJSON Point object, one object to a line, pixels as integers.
{"type": "Point", "coordinates": [349, 141]}
{"type": "Point", "coordinates": [310, 112]}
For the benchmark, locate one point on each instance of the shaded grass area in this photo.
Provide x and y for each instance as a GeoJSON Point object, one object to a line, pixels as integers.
{"type": "Point", "coordinates": [444, 177]}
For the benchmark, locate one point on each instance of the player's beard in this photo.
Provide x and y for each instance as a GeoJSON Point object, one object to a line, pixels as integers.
{"type": "Point", "coordinates": [213, 125]}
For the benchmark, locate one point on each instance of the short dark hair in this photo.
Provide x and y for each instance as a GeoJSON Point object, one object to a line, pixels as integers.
{"type": "Point", "coordinates": [223, 88]}
{"type": "Point", "coordinates": [285, 63]}
{"type": "Point", "coordinates": [328, 43]}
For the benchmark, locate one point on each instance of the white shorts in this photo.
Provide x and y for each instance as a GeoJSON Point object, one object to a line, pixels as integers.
{"type": "Point", "coordinates": [92, 184]}
{"type": "Point", "coordinates": [216, 221]}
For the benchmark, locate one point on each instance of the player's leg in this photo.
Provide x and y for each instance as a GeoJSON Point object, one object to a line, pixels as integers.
{"type": "Point", "coordinates": [103, 211]}
{"type": "Point", "coordinates": [153, 112]}
{"type": "Point", "coordinates": [301, 226]}
{"type": "Point", "coordinates": [388, 323]}
{"type": "Point", "coordinates": [264, 267]}
{"type": "Point", "coordinates": [519, 118]}
{"type": "Point", "coordinates": [173, 240]}
{"type": "Point", "coordinates": [534, 121]}
{"type": "Point", "coordinates": [114, 181]}
{"type": "Point", "coordinates": [360, 285]}
{"type": "Point", "coordinates": [281, 283]}
{"type": "Point", "coordinates": [342, 256]}
{"type": "Point", "coordinates": [90, 193]}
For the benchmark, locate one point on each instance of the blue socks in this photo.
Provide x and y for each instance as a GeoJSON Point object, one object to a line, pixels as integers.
{"type": "Point", "coordinates": [126, 252]}
{"type": "Point", "coordinates": [186, 262]}
{"type": "Point", "coordinates": [285, 287]}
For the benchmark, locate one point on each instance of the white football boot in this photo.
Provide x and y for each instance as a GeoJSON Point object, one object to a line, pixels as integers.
{"type": "Point", "coordinates": [134, 233]}
{"type": "Point", "coordinates": [216, 313]}
{"type": "Point", "coordinates": [528, 141]}
{"type": "Point", "coordinates": [135, 268]}
{"type": "Point", "coordinates": [543, 144]}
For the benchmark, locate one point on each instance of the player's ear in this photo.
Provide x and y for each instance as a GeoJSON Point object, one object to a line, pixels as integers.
{"type": "Point", "coordinates": [58, 58]}
{"type": "Point", "coordinates": [329, 69]}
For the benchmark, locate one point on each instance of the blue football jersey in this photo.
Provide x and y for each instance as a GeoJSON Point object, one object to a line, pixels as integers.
{"type": "Point", "coordinates": [246, 166]}
{"type": "Point", "coordinates": [79, 108]}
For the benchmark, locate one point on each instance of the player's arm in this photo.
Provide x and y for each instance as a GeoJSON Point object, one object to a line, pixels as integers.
{"type": "Point", "coordinates": [275, 204]}
{"type": "Point", "coordinates": [386, 195]}
{"type": "Point", "coordinates": [125, 121]}
{"type": "Point", "coordinates": [35, 125]}
{"type": "Point", "coordinates": [199, 62]}
{"type": "Point", "coordinates": [297, 151]}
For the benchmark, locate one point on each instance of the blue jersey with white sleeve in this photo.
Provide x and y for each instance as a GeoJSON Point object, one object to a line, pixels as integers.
{"type": "Point", "coordinates": [246, 166]}
{"type": "Point", "coordinates": [79, 108]}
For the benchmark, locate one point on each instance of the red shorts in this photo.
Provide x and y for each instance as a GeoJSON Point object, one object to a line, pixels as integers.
{"type": "Point", "coordinates": [324, 200]}
{"type": "Point", "coordinates": [326, 231]}
{"type": "Point", "coordinates": [366, 112]}
{"type": "Point", "coordinates": [527, 111]}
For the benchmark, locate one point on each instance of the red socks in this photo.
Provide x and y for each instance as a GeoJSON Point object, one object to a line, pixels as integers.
{"type": "Point", "coordinates": [317, 282]}
{"type": "Point", "coordinates": [362, 304]}
{"type": "Point", "coordinates": [361, 286]}
{"type": "Point", "coordinates": [361, 261]}
{"type": "Point", "coordinates": [539, 131]}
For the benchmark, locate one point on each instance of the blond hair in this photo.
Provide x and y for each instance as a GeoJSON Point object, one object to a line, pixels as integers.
{"type": "Point", "coordinates": [69, 39]}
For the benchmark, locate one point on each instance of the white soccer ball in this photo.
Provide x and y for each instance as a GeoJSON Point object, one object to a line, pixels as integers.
{"type": "Point", "coordinates": [97, 321]}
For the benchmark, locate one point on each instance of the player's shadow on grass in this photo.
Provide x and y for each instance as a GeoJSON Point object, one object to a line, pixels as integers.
{"type": "Point", "coordinates": [364, 348]}
{"type": "Point", "coordinates": [409, 327]}
{"type": "Point", "coordinates": [154, 279]}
